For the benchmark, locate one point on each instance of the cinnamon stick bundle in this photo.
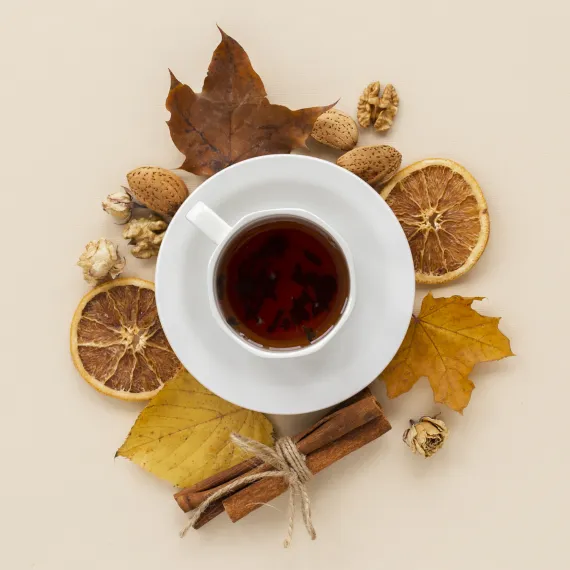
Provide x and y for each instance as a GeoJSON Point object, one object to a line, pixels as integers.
{"type": "Point", "coordinates": [352, 425]}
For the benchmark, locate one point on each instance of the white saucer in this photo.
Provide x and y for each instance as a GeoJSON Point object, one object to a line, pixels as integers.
{"type": "Point", "coordinates": [362, 348]}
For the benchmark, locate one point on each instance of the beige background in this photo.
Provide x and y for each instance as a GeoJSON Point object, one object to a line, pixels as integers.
{"type": "Point", "coordinates": [82, 90]}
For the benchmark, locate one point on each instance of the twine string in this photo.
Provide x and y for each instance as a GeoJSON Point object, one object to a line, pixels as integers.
{"type": "Point", "coordinates": [288, 462]}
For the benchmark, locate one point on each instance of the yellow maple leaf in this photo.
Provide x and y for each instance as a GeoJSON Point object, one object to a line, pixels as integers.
{"type": "Point", "coordinates": [444, 342]}
{"type": "Point", "coordinates": [183, 433]}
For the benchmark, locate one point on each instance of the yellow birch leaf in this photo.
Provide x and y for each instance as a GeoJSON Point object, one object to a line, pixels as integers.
{"type": "Point", "coordinates": [444, 342]}
{"type": "Point", "coordinates": [183, 433]}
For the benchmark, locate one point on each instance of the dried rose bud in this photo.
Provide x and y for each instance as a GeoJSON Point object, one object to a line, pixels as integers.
{"type": "Point", "coordinates": [120, 205]}
{"type": "Point", "coordinates": [426, 436]}
{"type": "Point", "coordinates": [101, 261]}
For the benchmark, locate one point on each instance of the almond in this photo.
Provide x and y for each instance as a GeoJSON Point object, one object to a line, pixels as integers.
{"type": "Point", "coordinates": [158, 189]}
{"type": "Point", "coordinates": [374, 164]}
{"type": "Point", "coordinates": [335, 128]}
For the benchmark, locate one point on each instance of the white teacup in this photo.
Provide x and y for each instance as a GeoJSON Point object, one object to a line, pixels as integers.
{"type": "Point", "coordinates": [223, 235]}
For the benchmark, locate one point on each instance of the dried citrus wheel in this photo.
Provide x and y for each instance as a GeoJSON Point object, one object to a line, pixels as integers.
{"type": "Point", "coordinates": [444, 215]}
{"type": "Point", "coordinates": [117, 342]}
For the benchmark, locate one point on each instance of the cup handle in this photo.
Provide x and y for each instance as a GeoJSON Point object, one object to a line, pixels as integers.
{"type": "Point", "coordinates": [207, 221]}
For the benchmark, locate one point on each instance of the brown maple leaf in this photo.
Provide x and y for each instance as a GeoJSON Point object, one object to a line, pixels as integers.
{"type": "Point", "coordinates": [231, 119]}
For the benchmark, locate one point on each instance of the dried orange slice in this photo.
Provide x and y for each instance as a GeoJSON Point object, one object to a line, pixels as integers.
{"type": "Point", "coordinates": [117, 342]}
{"type": "Point", "coordinates": [444, 215]}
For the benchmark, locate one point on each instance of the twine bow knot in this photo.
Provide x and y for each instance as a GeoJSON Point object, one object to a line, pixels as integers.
{"type": "Point", "coordinates": [288, 462]}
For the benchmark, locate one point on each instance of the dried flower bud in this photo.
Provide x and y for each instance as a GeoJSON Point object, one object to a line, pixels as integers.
{"type": "Point", "coordinates": [426, 436]}
{"type": "Point", "coordinates": [101, 261]}
{"type": "Point", "coordinates": [120, 205]}
{"type": "Point", "coordinates": [145, 234]}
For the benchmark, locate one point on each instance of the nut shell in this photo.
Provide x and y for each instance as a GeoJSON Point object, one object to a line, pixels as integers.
{"type": "Point", "coordinates": [158, 189]}
{"type": "Point", "coordinates": [375, 164]}
{"type": "Point", "coordinates": [336, 129]}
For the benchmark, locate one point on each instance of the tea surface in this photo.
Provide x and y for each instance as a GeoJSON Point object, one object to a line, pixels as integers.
{"type": "Point", "coordinates": [282, 283]}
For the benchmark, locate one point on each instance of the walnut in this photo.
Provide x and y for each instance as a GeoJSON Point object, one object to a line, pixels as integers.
{"type": "Point", "coordinates": [119, 205]}
{"type": "Point", "coordinates": [146, 235]}
{"type": "Point", "coordinates": [376, 109]}
{"type": "Point", "coordinates": [365, 110]}
{"type": "Point", "coordinates": [101, 261]}
{"type": "Point", "coordinates": [388, 108]}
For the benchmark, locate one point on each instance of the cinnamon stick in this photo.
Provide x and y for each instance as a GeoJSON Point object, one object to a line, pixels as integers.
{"type": "Point", "coordinates": [359, 421]}
{"type": "Point", "coordinates": [255, 495]}
{"type": "Point", "coordinates": [328, 429]}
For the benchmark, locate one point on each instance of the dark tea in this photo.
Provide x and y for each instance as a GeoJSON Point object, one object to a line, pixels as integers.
{"type": "Point", "coordinates": [282, 283]}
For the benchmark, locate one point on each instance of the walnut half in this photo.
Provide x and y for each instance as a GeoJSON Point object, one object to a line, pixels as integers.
{"type": "Point", "coordinates": [376, 109]}
{"type": "Point", "coordinates": [145, 235]}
